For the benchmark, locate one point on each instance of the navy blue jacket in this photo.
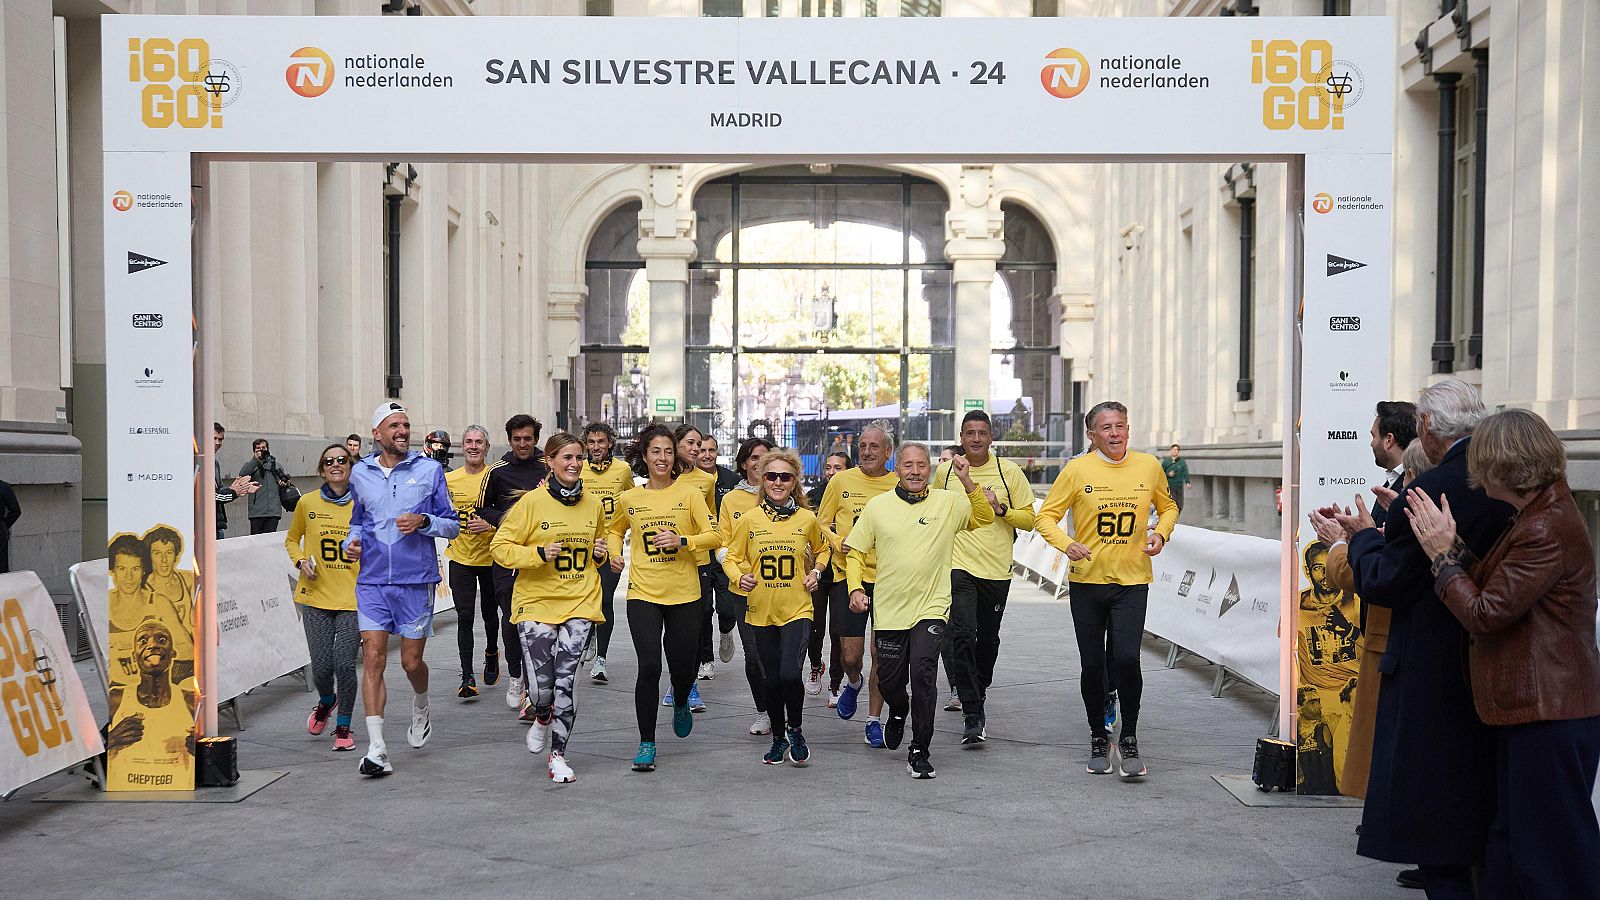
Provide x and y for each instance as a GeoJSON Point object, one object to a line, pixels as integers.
{"type": "Point", "coordinates": [1431, 793]}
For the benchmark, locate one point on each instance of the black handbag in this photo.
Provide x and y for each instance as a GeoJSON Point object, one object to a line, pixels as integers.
{"type": "Point", "coordinates": [288, 494]}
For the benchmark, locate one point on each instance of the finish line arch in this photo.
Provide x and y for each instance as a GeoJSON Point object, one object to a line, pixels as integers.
{"type": "Point", "coordinates": [1316, 94]}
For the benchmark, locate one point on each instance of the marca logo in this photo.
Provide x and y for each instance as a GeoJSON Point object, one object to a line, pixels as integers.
{"type": "Point", "coordinates": [148, 320]}
{"type": "Point", "coordinates": [1305, 86]}
{"type": "Point", "coordinates": [1338, 265]}
{"type": "Point", "coordinates": [1322, 203]}
{"type": "Point", "coordinates": [1344, 323]}
{"type": "Point", "coordinates": [1067, 76]}
{"type": "Point", "coordinates": [183, 84]}
{"type": "Point", "coordinates": [310, 72]}
{"type": "Point", "coordinates": [138, 262]}
{"type": "Point", "coordinates": [28, 684]}
{"type": "Point", "coordinates": [1341, 435]}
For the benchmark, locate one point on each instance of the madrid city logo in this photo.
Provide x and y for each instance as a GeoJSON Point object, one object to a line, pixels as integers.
{"type": "Point", "coordinates": [310, 72]}
{"type": "Point", "coordinates": [1065, 73]}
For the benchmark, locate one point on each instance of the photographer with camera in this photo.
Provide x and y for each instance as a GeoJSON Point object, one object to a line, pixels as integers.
{"type": "Point", "coordinates": [266, 506]}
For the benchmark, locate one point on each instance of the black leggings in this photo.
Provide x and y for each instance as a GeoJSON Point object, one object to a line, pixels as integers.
{"type": "Point", "coordinates": [706, 648]}
{"type": "Point", "coordinates": [819, 626]}
{"type": "Point", "coordinates": [1110, 615]}
{"type": "Point", "coordinates": [670, 630]}
{"type": "Point", "coordinates": [505, 581]}
{"type": "Point", "coordinates": [783, 649]}
{"type": "Point", "coordinates": [472, 586]}
{"type": "Point", "coordinates": [608, 593]}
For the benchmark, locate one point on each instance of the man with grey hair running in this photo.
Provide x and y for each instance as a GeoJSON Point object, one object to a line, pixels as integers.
{"type": "Point", "coordinates": [471, 566]}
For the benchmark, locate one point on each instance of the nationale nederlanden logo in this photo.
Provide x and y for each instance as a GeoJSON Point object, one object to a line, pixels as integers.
{"type": "Point", "coordinates": [1065, 73]}
{"type": "Point", "coordinates": [310, 72]}
{"type": "Point", "coordinates": [122, 201]}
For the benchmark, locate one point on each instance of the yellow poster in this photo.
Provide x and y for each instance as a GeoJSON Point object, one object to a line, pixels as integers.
{"type": "Point", "coordinates": [150, 656]}
{"type": "Point", "coordinates": [1326, 657]}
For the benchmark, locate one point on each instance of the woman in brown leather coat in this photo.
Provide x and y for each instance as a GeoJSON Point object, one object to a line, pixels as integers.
{"type": "Point", "coordinates": [1529, 606]}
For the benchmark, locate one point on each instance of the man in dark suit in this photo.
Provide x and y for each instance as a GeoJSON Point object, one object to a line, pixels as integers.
{"type": "Point", "coordinates": [1432, 789]}
{"type": "Point", "coordinates": [1393, 430]}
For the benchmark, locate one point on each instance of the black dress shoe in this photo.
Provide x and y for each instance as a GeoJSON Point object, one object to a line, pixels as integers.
{"type": "Point", "coordinates": [1409, 878]}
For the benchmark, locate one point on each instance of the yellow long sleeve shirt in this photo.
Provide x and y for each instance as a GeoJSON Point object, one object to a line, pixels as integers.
{"type": "Point", "coordinates": [1110, 506]}
{"type": "Point", "coordinates": [317, 531]}
{"type": "Point", "coordinates": [671, 576]}
{"type": "Point", "coordinates": [467, 548]}
{"type": "Point", "coordinates": [847, 495]}
{"type": "Point", "coordinates": [986, 552]}
{"type": "Point", "coordinates": [566, 586]}
{"type": "Point", "coordinates": [780, 554]}
{"type": "Point", "coordinates": [607, 483]}
{"type": "Point", "coordinates": [706, 484]}
{"type": "Point", "coordinates": [735, 504]}
{"type": "Point", "coordinates": [914, 542]}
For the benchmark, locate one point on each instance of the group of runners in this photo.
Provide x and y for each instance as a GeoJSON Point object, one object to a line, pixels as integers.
{"type": "Point", "coordinates": [919, 555]}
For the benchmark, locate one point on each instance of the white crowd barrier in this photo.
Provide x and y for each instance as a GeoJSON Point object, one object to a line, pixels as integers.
{"type": "Point", "coordinates": [49, 723]}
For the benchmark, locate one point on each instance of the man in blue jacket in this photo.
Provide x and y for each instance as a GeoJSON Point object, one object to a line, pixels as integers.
{"type": "Point", "coordinates": [401, 505]}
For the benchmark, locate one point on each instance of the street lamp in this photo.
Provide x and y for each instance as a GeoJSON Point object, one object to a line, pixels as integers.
{"type": "Point", "coordinates": [824, 315]}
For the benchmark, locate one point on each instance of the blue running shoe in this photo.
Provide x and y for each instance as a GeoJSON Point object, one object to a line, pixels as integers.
{"type": "Point", "coordinates": [1111, 711]}
{"type": "Point", "coordinates": [779, 751]}
{"type": "Point", "coordinates": [695, 703]}
{"type": "Point", "coordinates": [645, 759]}
{"type": "Point", "coordinates": [875, 735]}
{"type": "Point", "coordinates": [682, 721]}
{"type": "Point", "coordinates": [799, 754]}
{"type": "Point", "coordinates": [667, 700]}
{"type": "Point", "coordinates": [847, 701]}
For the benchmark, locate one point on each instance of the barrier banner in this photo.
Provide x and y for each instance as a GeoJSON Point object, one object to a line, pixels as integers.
{"type": "Point", "coordinates": [1215, 595]}
{"type": "Point", "coordinates": [49, 724]}
{"type": "Point", "coordinates": [260, 633]}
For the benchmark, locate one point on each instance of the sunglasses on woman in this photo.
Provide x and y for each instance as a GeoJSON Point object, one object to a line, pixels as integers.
{"type": "Point", "coordinates": [336, 460]}
{"type": "Point", "coordinates": [780, 477]}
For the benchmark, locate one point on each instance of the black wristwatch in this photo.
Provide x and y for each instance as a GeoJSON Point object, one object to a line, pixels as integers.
{"type": "Point", "coordinates": [683, 542]}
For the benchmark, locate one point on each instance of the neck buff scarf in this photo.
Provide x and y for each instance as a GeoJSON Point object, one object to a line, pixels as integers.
{"type": "Point", "coordinates": [909, 497]}
{"type": "Point", "coordinates": [600, 469]}
{"type": "Point", "coordinates": [567, 495]}
{"type": "Point", "coordinates": [778, 513]}
{"type": "Point", "coordinates": [341, 500]}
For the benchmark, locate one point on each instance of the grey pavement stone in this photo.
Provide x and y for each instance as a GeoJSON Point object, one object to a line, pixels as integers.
{"type": "Point", "coordinates": [473, 815]}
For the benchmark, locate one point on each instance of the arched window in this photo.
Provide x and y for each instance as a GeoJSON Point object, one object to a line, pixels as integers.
{"type": "Point", "coordinates": [616, 322]}
{"type": "Point", "coordinates": [1028, 378]}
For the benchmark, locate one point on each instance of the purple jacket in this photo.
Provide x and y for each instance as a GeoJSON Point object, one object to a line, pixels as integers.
{"type": "Point", "coordinates": [415, 486]}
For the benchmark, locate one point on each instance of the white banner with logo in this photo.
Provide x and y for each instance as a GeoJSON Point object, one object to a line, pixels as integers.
{"type": "Point", "coordinates": [712, 88]}
{"type": "Point", "coordinates": [49, 723]}
{"type": "Point", "coordinates": [1216, 595]}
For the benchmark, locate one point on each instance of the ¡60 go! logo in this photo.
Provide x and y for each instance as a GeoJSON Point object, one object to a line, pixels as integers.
{"type": "Point", "coordinates": [28, 685]}
{"type": "Point", "coordinates": [183, 84]}
{"type": "Point", "coordinates": [1305, 86]}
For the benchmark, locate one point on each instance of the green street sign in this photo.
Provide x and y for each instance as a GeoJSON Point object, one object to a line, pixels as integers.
{"type": "Point", "coordinates": [971, 404]}
{"type": "Point", "coordinates": [666, 405]}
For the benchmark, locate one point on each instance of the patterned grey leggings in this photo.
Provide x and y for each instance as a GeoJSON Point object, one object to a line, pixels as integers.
{"type": "Point", "coordinates": [550, 658]}
{"type": "Point", "coordinates": [334, 640]}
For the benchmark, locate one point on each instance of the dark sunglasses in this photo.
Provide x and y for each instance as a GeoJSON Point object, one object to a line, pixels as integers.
{"type": "Point", "coordinates": [336, 460]}
{"type": "Point", "coordinates": [780, 477]}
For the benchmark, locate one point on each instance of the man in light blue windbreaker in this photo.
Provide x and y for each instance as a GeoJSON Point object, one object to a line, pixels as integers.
{"type": "Point", "coordinates": [401, 505]}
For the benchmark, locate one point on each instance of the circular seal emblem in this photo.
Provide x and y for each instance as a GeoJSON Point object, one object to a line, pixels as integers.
{"type": "Point", "coordinates": [1344, 83]}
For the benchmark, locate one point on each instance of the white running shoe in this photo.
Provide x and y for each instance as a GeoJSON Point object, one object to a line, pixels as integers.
{"type": "Point", "coordinates": [514, 695]}
{"type": "Point", "coordinates": [598, 673]}
{"type": "Point", "coordinates": [833, 699]}
{"type": "Point", "coordinates": [375, 764]}
{"type": "Point", "coordinates": [421, 729]}
{"type": "Point", "coordinates": [592, 646]}
{"type": "Point", "coordinates": [725, 648]}
{"type": "Point", "coordinates": [539, 736]}
{"type": "Point", "coordinates": [707, 672]}
{"type": "Point", "coordinates": [762, 724]}
{"type": "Point", "coordinates": [560, 772]}
{"type": "Point", "coordinates": [814, 680]}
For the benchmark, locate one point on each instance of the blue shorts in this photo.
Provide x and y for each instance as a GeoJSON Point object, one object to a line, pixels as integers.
{"type": "Point", "coordinates": [403, 609]}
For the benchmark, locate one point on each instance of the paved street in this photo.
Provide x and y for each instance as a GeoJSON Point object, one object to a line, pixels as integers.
{"type": "Point", "coordinates": [472, 815]}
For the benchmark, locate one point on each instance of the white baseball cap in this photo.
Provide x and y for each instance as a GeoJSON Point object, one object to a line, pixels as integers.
{"type": "Point", "coordinates": [384, 411]}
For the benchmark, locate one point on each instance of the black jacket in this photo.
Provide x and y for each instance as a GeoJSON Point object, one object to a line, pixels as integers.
{"type": "Point", "coordinates": [1379, 514]}
{"type": "Point", "coordinates": [506, 478]}
{"type": "Point", "coordinates": [726, 482]}
{"type": "Point", "coordinates": [223, 494]}
{"type": "Point", "coordinates": [1431, 793]}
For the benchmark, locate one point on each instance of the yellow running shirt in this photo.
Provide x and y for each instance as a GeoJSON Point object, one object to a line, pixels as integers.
{"type": "Point", "coordinates": [780, 554]}
{"type": "Point", "coordinates": [567, 586]}
{"type": "Point", "coordinates": [706, 484]}
{"type": "Point", "coordinates": [914, 542]}
{"type": "Point", "coordinates": [607, 483]}
{"type": "Point", "coordinates": [735, 504]}
{"type": "Point", "coordinates": [1110, 506]}
{"type": "Point", "coordinates": [317, 530]}
{"type": "Point", "coordinates": [468, 549]}
{"type": "Point", "coordinates": [672, 576]}
{"type": "Point", "coordinates": [986, 552]}
{"type": "Point", "coordinates": [847, 493]}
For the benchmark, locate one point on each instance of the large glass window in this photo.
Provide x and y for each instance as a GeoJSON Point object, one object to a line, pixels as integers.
{"type": "Point", "coordinates": [1029, 399]}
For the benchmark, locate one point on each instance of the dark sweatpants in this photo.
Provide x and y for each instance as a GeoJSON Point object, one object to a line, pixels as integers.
{"type": "Point", "coordinates": [902, 657]}
{"type": "Point", "coordinates": [608, 592]}
{"type": "Point", "coordinates": [976, 607]}
{"type": "Point", "coordinates": [662, 630]}
{"type": "Point", "coordinates": [707, 649]}
{"type": "Point", "coordinates": [472, 587]}
{"type": "Point", "coordinates": [1110, 615]}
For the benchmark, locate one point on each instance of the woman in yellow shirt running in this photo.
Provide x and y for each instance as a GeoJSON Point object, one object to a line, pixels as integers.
{"type": "Point", "coordinates": [554, 538]}
{"type": "Point", "coordinates": [326, 593]}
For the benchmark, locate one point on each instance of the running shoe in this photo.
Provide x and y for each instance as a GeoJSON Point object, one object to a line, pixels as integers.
{"type": "Point", "coordinates": [376, 764]}
{"type": "Point", "coordinates": [318, 720]}
{"type": "Point", "coordinates": [725, 647]}
{"type": "Point", "coordinates": [514, 692]}
{"type": "Point", "coordinates": [707, 672]}
{"type": "Point", "coordinates": [539, 736]}
{"type": "Point", "coordinates": [799, 753]}
{"type": "Point", "coordinates": [469, 687]}
{"type": "Point", "coordinates": [421, 729]}
{"type": "Point", "coordinates": [1111, 711]}
{"type": "Point", "coordinates": [778, 753]}
{"type": "Point", "coordinates": [491, 667]}
{"type": "Point", "coordinates": [645, 759]}
{"type": "Point", "coordinates": [874, 735]}
{"type": "Point", "coordinates": [973, 732]}
{"type": "Point", "coordinates": [667, 700]}
{"type": "Point", "coordinates": [762, 724]}
{"type": "Point", "coordinates": [1128, 763]}
{"type": "Point", "coordinates": [695, 703]}
{"type": "Point", "coordinates": [895, 732]}
{"type": "Point", "coordinates": [833, 699]}
{"type": "Point", "coordinates": [682, 720]}
{"type": "Point", "coordinates": [1099, 756]}
{"type": "Point", "coordinates": [953, 704]}
{"type": "Point", "coordinates": [814, 680]}
{"type": "Point", "coordinates": [527, 714]}
{"type": "Point", "coordinates": [846, 707]}
{"type": "Point", "coordinates": [598, 673]}
{"type": "Point", "coordinates": [343, 739]}
{"type": "Point", "coordinates": [918, 764]}
{"type": "Point", "coordinates": [560, 772]}
{"type": "Point", "coordinates": [591, 647]}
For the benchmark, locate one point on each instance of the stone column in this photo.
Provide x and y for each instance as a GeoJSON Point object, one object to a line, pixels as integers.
{"type": "Point", "coordinates": [666, 243]}
{"type": "Point", "coordinates": [974, 242]}
{"type": "Point", "coordinates": [562, 334]}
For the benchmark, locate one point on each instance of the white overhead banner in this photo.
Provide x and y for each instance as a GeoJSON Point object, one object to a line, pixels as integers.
{"type": "Point", "coordinates": [714, 88]}
{"type": "Point", "coordinates": [1216, 595]}
{"type": "Point", "coordinates": [49, 723]}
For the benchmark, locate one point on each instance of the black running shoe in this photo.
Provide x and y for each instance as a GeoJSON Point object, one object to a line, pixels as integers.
{"type": "Point", "coordinates": [973, 733]}
{"type": "Point", "coordinates": [491, 668]}
{"type": "Point", "coordinates": [918, 764]}
{"type": "Point", "coordinates": [469, 687]}
{"type": "Point", "coordinates": [894, 731]}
